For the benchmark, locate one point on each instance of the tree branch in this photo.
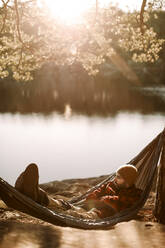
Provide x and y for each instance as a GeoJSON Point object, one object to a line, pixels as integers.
{"type": "Point", "coordinates": [142, 16]}
{"type": "Point", "coordinates": [18, 21]}
{"type": "Point", "coordinates": [5, 14]}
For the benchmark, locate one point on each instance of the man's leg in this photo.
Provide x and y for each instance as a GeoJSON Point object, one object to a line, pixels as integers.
{"type": "Point", "coordinates": [103, 210]}
{"type": "Point", "coordinates": [27, 184]}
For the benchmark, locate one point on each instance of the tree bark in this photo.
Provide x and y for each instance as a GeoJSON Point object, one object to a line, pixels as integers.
{"type": "Point", "coordinates": [159, 210]}
{"type": "Point", "coordinates": [142, 15]}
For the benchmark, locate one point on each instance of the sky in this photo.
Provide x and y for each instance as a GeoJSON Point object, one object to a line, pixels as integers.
{"type": "Point", "coordinates": [71, 10]}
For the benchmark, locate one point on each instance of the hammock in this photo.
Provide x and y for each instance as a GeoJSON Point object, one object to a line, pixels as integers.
{"type": "Point", "coordinates": [146, 162]}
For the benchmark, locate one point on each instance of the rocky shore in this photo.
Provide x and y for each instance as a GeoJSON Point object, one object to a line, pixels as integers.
{"type": "Point", "coordinates": [17, 228]}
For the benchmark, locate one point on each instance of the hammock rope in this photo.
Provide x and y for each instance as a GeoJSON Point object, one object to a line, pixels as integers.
{"type": "Point", "coordinates": [146, 162]}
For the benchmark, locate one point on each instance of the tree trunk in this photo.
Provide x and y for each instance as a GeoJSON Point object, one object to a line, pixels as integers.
{"type": "Point", "coordinates": [159, 210]}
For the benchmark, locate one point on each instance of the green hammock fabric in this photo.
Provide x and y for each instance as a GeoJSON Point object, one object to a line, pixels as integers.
{"type": "Point", "coordinates": [146, 162]}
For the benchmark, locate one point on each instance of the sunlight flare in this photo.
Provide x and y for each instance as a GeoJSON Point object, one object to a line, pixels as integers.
{"type": "Point", "coordinates": [71, 11]}
{"type": "Point", "coordinates": [68, 11]}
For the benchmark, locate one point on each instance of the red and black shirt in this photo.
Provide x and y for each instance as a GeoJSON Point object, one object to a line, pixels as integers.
{"type": "Point", "coordinates": [115, 197]}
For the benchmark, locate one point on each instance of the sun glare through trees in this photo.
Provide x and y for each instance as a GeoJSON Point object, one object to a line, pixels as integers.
{"type": "Point", "coordinates": [87, 33]}
{"type": "Point", "coordinates": [72, 11]}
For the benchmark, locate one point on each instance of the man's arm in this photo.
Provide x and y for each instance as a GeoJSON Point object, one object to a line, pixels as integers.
{"type": "Point", "coordinates": [97, 192]}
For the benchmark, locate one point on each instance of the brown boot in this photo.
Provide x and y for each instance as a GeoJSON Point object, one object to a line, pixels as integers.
{"type": "Point", "coordinates": [27, 184]}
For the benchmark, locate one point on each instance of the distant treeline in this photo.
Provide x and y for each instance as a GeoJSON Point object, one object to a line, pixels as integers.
{"type": "Point", "coordinates": [100, 96]}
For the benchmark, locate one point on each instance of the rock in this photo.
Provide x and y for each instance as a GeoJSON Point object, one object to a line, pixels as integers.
{"type": "Point", "coordinates": [134, 234]}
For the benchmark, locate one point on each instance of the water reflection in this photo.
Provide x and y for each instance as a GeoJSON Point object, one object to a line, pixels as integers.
{"type": "Point", "coordinates": [67, 111]}
{"type": "Point", "coordinates": [101, 97]}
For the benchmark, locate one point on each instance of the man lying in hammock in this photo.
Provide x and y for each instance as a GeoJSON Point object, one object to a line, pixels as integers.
{"type": "Point", "coordinates": [108, 199]}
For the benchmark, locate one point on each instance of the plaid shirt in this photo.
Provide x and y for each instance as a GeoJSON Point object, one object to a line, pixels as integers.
{"type": "Point", "coordinates": [114, 197]}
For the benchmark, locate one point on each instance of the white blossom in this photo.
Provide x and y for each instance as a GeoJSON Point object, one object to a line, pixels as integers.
{"type": "Point", "coordinates": [39, 38]}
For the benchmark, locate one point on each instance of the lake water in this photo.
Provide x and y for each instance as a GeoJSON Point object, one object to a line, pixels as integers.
{"type": "Point", "coordinates": [76, 147]}
{"type": "Point", "coordinates": [78, 141]}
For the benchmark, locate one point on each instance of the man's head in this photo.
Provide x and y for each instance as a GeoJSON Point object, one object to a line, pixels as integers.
{"type": "Point", "coordinates": [126, 175]}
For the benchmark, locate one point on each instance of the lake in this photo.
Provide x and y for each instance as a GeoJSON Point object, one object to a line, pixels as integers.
{"type": "Point", "coordinates": [75, 140]}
